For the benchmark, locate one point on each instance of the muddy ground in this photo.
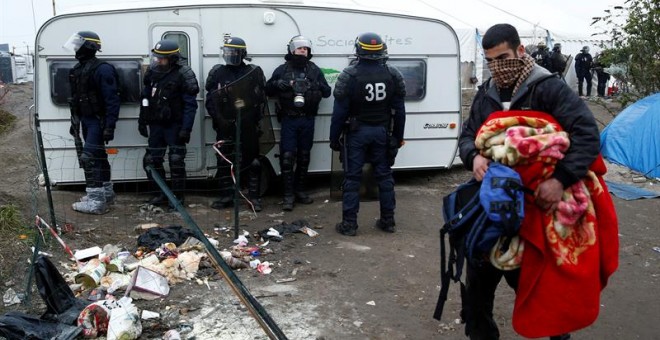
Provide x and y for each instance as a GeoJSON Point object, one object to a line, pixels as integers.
{"type": "Point", "coordinates": [372, 286]}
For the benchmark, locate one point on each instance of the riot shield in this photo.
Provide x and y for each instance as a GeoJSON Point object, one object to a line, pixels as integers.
{"type": "Point", "coordinates": [253, 111]}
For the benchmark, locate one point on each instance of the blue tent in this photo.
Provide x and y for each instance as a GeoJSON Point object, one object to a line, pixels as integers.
{"type": "Point", "coordinates": [633, 137]}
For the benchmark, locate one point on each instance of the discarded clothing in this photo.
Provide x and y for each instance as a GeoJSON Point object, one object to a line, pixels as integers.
{"type": "Point", "coordinates": [155, 237]}
{"type": "Point", "coordinates": [284, 228]}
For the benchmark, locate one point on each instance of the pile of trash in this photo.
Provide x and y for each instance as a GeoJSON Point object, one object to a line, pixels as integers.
{"type": "Point", "coordinates": [96, 296]}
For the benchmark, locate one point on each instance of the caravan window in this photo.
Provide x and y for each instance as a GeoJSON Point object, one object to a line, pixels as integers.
{"type": "Point", "coordinates": [414, 74]}
{"type": "Point", "coordinates": [127, 70]}
{"type": "Point", "coordinates": [182, 39]}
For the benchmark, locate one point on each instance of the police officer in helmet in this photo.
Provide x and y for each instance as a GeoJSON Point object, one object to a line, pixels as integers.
{"type": "Point", "coordinates": [167, 115]}
{"type": "Point", "coordinates": [225, 83]}
{"type": "Point", "coordinates": [541, 55]}
{"type": "Point", "coordinates": [94, 107]}
{"type": "Point", "coordinates": [369, 112]}
{"type": "Point", "coordinates": [299, 86]}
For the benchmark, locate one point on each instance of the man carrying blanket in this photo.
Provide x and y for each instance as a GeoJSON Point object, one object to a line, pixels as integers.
{"type": "Point", "coordinates": [528, 119]}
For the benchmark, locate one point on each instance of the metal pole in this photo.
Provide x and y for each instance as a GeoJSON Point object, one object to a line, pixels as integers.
{"type": "Point", "coordinates": [54, 8]}
{"type": "Point", "coordinates": [239, 104]}
{"type": "Point", "coordinates": [44, 170]}
{"type": "Point", "coordinates": [254, 307]}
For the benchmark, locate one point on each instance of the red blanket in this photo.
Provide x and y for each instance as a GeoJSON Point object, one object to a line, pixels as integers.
{"type": "Point", "coordinates": [569, 255]}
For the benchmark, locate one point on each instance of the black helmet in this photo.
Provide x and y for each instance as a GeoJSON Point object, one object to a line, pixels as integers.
{"type": "Point", "coordinates": [234, 50]}
{"type": "Point", "coordinates": [86, 39]}
{"type": "Point", "coordinates": [166, 49]}
{"type": "Point", "coordinates": [370, 46]}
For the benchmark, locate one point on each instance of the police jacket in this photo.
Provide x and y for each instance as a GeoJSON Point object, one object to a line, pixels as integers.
{"type": "Point", "coordinates": [542, 57]}
{"type": "Point", "coordinates": [583, 63]}
{"type": "Point", "coordinates": [172, 97]}
{"type": "Point", "coordinates": [368, 92]}
{"type": "Point", "coordinates": [94, 91]}
{"type": "Point", "coordinates": [225, 78]}
{"type": "Point", "coordinates": [544, 92]}
{"type": "Point", "coordinates": [557, 62]}
{"type": "Point", "coordinates": [316, 89]}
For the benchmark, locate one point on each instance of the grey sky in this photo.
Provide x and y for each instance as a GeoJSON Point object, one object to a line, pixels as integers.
{"type": "Point", "coordinates": [564, 18]}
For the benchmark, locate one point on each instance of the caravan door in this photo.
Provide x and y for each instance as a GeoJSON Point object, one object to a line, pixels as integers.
{"type": "Point", "coordinates": [187, 35]}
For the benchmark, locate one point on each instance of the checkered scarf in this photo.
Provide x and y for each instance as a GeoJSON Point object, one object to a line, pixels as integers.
{"type": "Point", "coordinates": [507, 72]}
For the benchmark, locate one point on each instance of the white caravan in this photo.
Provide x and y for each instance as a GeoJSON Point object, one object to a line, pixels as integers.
{"type": "Point", "coordinates": [425, 50]}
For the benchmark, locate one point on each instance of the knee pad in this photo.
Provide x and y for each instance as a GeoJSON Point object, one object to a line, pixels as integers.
{"type": "Point", "coordinates": [255, 165]}
{"type": "Point", "coordinates": [351, 185]}
{"type": "Point", "coordinates": [386, 185]}
{"type": "Point", "coordinates": [88, 160]}
{"type": "Point", "coordinates": [176, 160]}
{"type": "Point", "coordinates": [148, 159]}
{"type": "Point", "coordinates": [287, 160]}
{"type": "Point", "coordinates": [303, 158]}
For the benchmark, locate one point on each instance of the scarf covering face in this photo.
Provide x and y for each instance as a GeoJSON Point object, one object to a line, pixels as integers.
{"type": "Point", "coordinates": [507, 72]}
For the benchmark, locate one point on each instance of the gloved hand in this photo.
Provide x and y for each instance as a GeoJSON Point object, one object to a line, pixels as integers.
{"type": "Point", "coordinates": [283, 85]}
{"type": "Point", "coordinates": [108, 135]}
{"type": "Point", "coordinates": [335, 145]}
{"type": "Point", "coordinates": [184, 136]}
{"type": "Point", "coordinates": [142, 128]}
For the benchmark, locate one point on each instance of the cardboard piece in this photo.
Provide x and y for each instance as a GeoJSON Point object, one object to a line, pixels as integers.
{"type": "Point", "coordinates": [148, 281]}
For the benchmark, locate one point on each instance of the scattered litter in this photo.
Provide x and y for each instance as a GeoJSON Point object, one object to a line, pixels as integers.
{"type": "Point", "coordinates": [264, 244]}
{"type": "Point", "coordinates": [281, 214]}
{"type": "Point", "coordinates": [149, 208]}
{"type": "Point", "coordinates": [241, 241]}
{"type": "Point", "coordinates": [124, 321]}
{"type": "Point", "coordinates": [42, 252]}
{"type": "Point", "coordinates": [86, 254]}
{"type": "Point", "coordinates": [411, 255]}
{"type": "Point", "coordinates": [172, 334]}
{"type": "Point", "coordinates": [310, 244]}
{"type": "Point", "coordinates": [657, 249]}
{"type": "Point", "coordinates": [371, 303]}
{"type": "Point", "coordinates": [146, 315]}
{"type": "Point", "coordinates": [326, 201]}
{"type": "Point", "coordinates": [145, 226]}
{"type": "Point", "coordinates": [357, 323]}
{"type": "Point", "coordinates": [273, 232]}
{"type": "Point", "coordinates": [294, 272]}
{"type": "Point", "coordinates": [148, 281]}
{"type": "Point", "coordinates": [255, 263]}
{"type": "Point", "coordinates": [22, 237]}
{"type": "Point", "coordinates": [91, 273]}
{"type": "Point", "coordinates": [289, 279]}
{"type": "Point", "coordinates": [309, 231]}
{"type": "Point", "coordinates": [11, 298]}
{"type": "Point", "coordinates": [457, 321]}
{"type": "Point", "coordinates": [264, 268]}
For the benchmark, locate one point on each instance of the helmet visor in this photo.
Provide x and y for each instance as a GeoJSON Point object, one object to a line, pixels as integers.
{"type": "Point", "coordinates": [232, 55]}
{"type": "Point", "coordinates": [160, 64]}
{"type": "Point", "coordinates": [74, 43]}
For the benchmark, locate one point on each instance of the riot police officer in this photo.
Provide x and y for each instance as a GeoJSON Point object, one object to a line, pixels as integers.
{"type": "Point", "coordinates": [365, 95]}
{"type": "Point", "coordinates": [583, 65]}
{"type": "Point", "coordinates": [94, 106]}
{"type": "Point", "coordinates": [299, 86]}
{"type": "Point", "coordinates": [168, 110]}
{"type": "Point", "coordinates": [557, 60]}
{"type": "Point", "coordinates": [224, 84]}
{"type": "Point", "coordinates": [541, 55]}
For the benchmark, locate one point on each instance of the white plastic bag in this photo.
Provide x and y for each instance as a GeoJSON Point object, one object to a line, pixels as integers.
{"type": "Point", "coordinates": [124, 321]}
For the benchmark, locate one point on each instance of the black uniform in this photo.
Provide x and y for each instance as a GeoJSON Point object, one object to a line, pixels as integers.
{"type": "Point", "coordinates": [224, 84]}
{"type": "Point", "coordinates": [170, 115]}
{"type": "Point", "coordinates": [583, 64]}
{"type": "Point", "coordinates": [302, 78]}
{"type": "Point", "coordinates": [95, 100]}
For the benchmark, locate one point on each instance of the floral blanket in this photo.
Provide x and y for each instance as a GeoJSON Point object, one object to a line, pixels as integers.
{"type": "Point", "coordinates": [565, 257]}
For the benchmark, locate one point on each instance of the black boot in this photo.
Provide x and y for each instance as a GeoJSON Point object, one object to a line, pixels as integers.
{"type": "Point", "coordinates": [347, 228]}
{"type": "Point", "coordinates": [158, 199]}
{"type": "Point", "coordinates": [226, 189]}
{"type": "Point", "coordinates": [287, 178]}
{"type": "Point", "coordinates": [254, 181]}
{"type": "Point", "coordinates": [302, 167]}
{"type": "Point", "coordinates": [178, 171]}
{"type": "Point", "coordinates": [386, 224]}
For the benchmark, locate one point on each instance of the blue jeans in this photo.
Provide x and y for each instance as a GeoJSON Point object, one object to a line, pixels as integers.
{"type": "Point", "coordinates": [97, 170]}
{"type": "Point", "coordinates": [367, 144]}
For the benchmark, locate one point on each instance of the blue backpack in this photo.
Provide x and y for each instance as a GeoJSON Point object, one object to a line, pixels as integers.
{"type": "Point", "coordinates": [476, 214]}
